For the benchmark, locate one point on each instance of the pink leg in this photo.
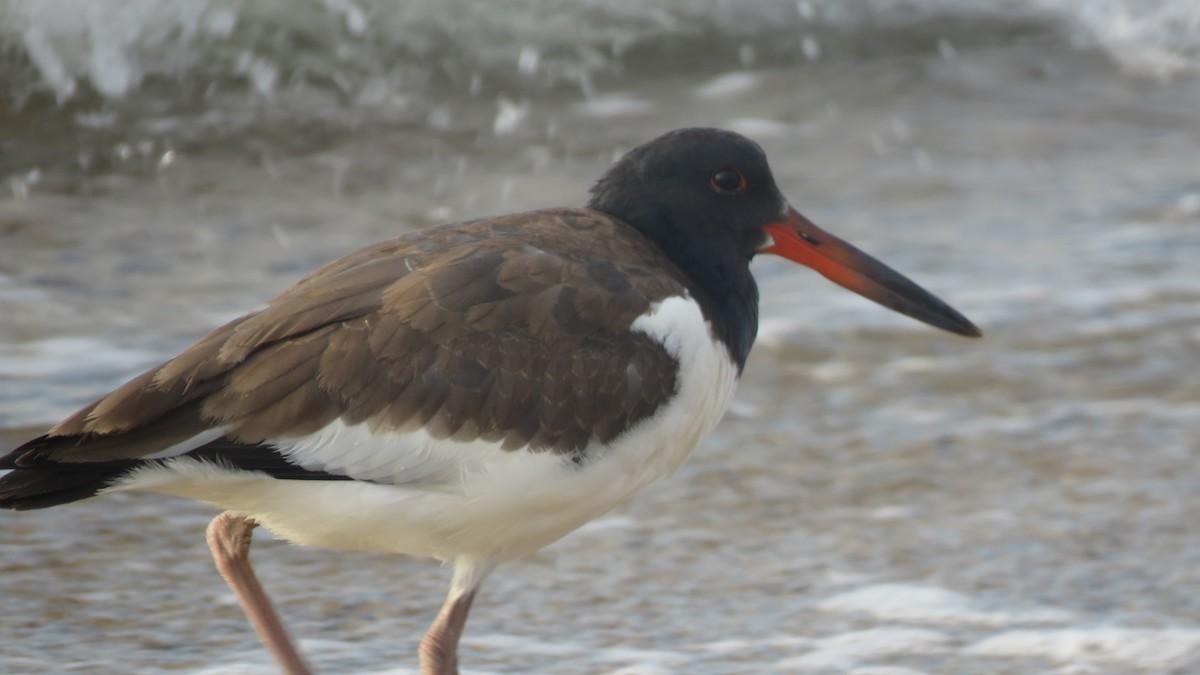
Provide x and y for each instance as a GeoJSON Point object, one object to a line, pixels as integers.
{"type": "Point", "coordinates": [229, 541]}
{"type": "Point", "coordinates": [439, 647]}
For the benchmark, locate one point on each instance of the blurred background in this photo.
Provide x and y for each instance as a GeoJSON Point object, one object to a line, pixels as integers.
{"type": "Point", "coordinates": [882, 499]}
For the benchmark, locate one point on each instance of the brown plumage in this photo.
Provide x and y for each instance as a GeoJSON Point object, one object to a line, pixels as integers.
{"type": "Point", "coordinates": [389, 335]}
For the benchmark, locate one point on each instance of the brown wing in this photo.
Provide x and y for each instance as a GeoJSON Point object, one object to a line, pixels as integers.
{"type": "Point", "coordinates": [511, 329]}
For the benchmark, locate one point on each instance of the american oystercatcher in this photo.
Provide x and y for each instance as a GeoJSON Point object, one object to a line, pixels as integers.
{"type": "Point", "coordinates": [469, 392]}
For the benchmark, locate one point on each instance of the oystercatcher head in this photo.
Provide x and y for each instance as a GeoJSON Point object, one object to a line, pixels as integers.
{"type": "Point", "coordinates": [708, 198]}
{"type": "Point", "coordinates": [472, 391]}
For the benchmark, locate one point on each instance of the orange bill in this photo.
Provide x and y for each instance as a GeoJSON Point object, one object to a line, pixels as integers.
{"type": "Point", "coordinates": [798, 239]}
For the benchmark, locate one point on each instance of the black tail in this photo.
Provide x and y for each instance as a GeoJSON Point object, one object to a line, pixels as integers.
{"type": "Point", "coordinates": [35, 484]}
{"type": "Point", "coordinates": [24, 489]}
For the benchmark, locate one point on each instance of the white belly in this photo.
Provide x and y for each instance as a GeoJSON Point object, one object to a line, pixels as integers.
{"type": "Point", "coordinates": [444, 498]}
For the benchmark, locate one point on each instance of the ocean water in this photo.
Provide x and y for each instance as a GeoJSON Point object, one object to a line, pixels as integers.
{"type": "Point", "coordinates": [882, 499]}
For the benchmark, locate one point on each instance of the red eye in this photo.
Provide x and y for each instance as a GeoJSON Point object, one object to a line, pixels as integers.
{"type": "Point", "coordinates": [728, 182]}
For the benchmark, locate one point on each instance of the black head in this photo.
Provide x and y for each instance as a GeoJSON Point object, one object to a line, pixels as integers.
{"type": "Point", "coordinates": [699, 193]}
{"type": "Point", "coordinates": [704, 196]}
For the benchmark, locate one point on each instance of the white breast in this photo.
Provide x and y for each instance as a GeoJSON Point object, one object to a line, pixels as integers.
{"type": "Point", "coordinates": [445, 498]}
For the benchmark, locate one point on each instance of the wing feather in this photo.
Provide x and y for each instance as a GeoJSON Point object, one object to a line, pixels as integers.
{"type": "Point", "coordinates": [513, 330]}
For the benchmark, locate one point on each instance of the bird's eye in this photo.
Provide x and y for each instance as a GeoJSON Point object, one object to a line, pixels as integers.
{"type": "Point", "coordinates": [728, 182]}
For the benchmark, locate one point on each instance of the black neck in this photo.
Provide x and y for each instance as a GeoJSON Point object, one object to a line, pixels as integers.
{"type": "Point", "coordinates": [708, 248]}
{"type": "Point", "coordinates": [717, 276]}
{"type": "Point", "coordinates": [728, 296]}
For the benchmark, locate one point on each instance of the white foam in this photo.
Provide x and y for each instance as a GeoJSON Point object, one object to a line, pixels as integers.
{"type": "Point", "coordinates": [653, 659]}
{"type": "Point", "coordinates": [1135, 647]}
{"type": "Point", "coordinates": [509, 116]}
{"type": "Point", "coordinates": [238, 668]}
{"type": "Point", "coordinates": [729, 84]}
{"type": "Point", "coordinates": [928, 604]}
{"type": "Point", "coordinates": [114, 45]}
{"type": "Point", "coordinates": [847, 650]}
{"type": "Point", "coordinates": [613, 105]}
{"type": "Point", "coordinates": [644, 669]}
{"type": "Point", "coordinates": [1160, 39]}
{"type": "Point", "coordinates": [834, 371]}
{"type": "Point", "coordinates": [758, 127]}
{"type": "Point", "coordinates": [773, 331]}
{"type": "Point", "coordinates": [728, 646]}
{"type": "Point", "coordinates": [515, 644]}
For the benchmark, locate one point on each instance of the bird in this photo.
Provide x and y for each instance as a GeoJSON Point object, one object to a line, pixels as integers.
{"type": "Point", "coordinates": [468, 392]}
